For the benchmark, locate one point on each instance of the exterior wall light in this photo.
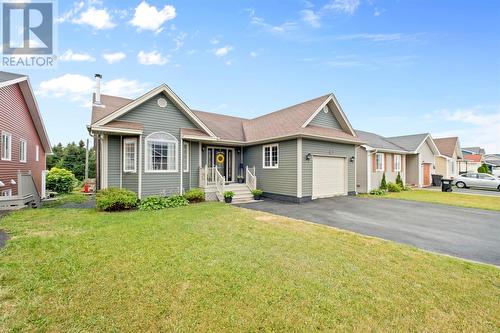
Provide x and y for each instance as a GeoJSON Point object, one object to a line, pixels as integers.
{"type": "Point", "coordinates": [351, 159]}
{"type": "Point", "coordinates": [2, 184]}
{"type": "Point", "coordinates": [308, 156]}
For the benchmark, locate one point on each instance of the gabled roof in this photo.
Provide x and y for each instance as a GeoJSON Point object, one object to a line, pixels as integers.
{"type": "Point", "coordinates": [409, 142]}
{"type": "Point", "coordinates": [474, 150]}
{"type": "Point", "coordinates": [448, 146]}
{"type": "Point", "coordinates": [7, 79]}
{"type": "Point", "coordinates": [287, 122]}
{"type": "Point", "coordinates": [378, 142]}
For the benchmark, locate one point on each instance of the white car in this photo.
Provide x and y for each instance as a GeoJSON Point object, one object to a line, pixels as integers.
{"type": "Point", "coordinates": [478, 180]}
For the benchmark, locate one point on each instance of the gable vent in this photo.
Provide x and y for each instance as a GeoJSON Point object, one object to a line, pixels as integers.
{"type": "Point", "coordinates": [326, 109]}
{"type": "Point", "coordinates": [162, 102]}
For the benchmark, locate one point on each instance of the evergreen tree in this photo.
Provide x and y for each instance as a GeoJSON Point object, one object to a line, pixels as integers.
{"type": "Point", "coordinates": [72, 157]}
{"type": "Point", "coordinates": [57, 156]}
{"type": "Point", "coordinates": [383, 183]}
{"type": "Point", "coordinates": [399, 181]}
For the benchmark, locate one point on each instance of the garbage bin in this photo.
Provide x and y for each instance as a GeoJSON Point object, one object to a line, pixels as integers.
{"type": "Point", "coordinates": [436, 180]}
{"type": "Point", "coordinates": [446, 185]}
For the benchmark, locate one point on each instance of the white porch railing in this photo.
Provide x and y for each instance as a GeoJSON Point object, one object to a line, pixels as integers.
{"type": "Point", "coordinates": [250, 178]}
{"type": "Point", "coordinates": [220, 183]}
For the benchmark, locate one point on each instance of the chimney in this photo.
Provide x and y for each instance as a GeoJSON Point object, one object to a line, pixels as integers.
{"type": "Point", "coordinates": [98, 78]}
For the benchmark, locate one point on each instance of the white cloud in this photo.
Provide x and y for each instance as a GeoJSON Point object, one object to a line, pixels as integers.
{"type": "Point", "coordinates": [113, 58]}
{"type": "Point", "coordinates": [99, 19]}
{"type": "Point", "coordinates": [253, 54]}
{"type": "Point", "coordinates": [311, 18]}
{"type": "Point", "coordinates": [69, 55]}
{"type": "Point", "coordinates": [343, 6]}
{"type": "Point", "coordinates": [152, 58]}
{"type": "Point", "coordinates": [147, 17]}
{"type": "Point", "coordinates": [223, 51]}
{"type": "Point", "coordinates": [475, 126]}
{"type": "Point", "coordinates": [79, 88]}
{"type": "Point", "coordinates": [179, 40]}
{"type": "Point", "coordinates": [270, 28]}
{"type": "Point", "coordinates": [394, 37]}
{"type": "Point", "coordinates": [214, 41]}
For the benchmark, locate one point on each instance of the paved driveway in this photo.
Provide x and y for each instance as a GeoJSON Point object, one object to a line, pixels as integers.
{"type": "Point", "coordinates": [462, 232]}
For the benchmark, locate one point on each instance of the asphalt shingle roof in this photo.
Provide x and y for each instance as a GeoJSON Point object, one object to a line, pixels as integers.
{"type": "Point", "coordinates": [446, 146]}
{"type": "Point", "coordinates": [6, 76]}
{"type": "Point", "coordinates": [377, 141]}
{"type": "Point", "coordinates": [408, 142]}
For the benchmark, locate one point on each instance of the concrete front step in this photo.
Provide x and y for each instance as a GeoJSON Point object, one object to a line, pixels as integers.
{"type": "Point", "coordinates": [243, 201]}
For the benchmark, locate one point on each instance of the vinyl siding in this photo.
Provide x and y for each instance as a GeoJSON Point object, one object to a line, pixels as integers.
{"type": "Point", "coordinates": [326, 120]}
{"type": "Point", "coordinates": [194, 164]}
{"type": "Point", "coordinates": [361, 171]}
{"type": "Point", "coordinates": [282, 180]}
{"type": "Point", "coordinates": [130, 181]}
{"type": "Point", "coordinates": [157, 119]}
{"type": "Point", "coordinates": [390, 176]}
{"type": "Point", "coordinates": [15, 119]}
{"type": "Point", "coordinates": [326, 148]}
{"type": "Point", "coordinates": [412, 167]}
{"type": "Point", "coordinates": [114, 168]}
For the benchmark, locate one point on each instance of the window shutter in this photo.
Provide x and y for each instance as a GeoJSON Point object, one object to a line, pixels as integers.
{"type": "Point", "coordinates": [385, 162]}
{"type": "Point", "coordinates": [374, 162]}
{"type": "Point", "coordinates": [393, 157]}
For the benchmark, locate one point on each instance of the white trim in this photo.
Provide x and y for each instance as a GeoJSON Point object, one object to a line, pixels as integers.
{"type": "Point", "coordinates": [4, 157]}
{"type": "Point", "coordinates": [355, 170]}
{"type": "Point", "coordinates": [104, 176]}
{"type": "Point", "coordinates": [37, 153]}
{"type": "Point", "coordinates": [339, 109]}
{"type": "Point", "coordinates": [181, 174]}
{"type": "Point", "coordinates": [121, 161]}
{"type": "Point", "coordinates": [200, 162]}
{"type": "Point", "coordinates": [124, 155]}
{"type": "Point", "coordinates": [23, 144]}
{"type": "Point", "coordinates": [95, 128]}
{"type": "Point", "coordinates": [176, 155]}
{"type": "Point", "coordinates": [394, 162]}
{"type": "Point", "coordinates": [433, 145]}
{"type": "Point", "coordinates": [270, 146]}
{"type": "Point", "coordinates": [299, 167]}
{"type": "Point", "coordinates": [162, 88]}
{"type": "Point", "coordinates": [368, 171]}
{"type": "Point", "coordinates": [187, 144]}
{"type": "Point", "coordinates": [139, 189]}
{"type": "Point", "coordinates": [383, 162]}
{"type": "Point", "coordinates": [13, 81]}
{"type": "Point", "coordinates": [44, 184]}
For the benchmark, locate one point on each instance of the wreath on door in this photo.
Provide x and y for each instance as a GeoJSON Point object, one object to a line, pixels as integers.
{"type": "Point", "coordinates": [219, 158]}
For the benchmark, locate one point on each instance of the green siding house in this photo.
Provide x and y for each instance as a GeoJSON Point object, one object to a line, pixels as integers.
{"type": "Point", "coordinates": [157, 145]}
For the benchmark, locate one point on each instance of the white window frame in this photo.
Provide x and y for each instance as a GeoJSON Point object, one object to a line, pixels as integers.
{"type": "Point", "coordinates": [148, 165]}
{"type": "Point", "coordinates": [6, 153]}
{"type": "Point", "coordinates": [23, 151]}
{"type": "Point", "coordinates": [125, 143]}
{"type": "Point", "coordinates": [37, 153]}
{"type": "Point", "coordinates": [6, 193]}
{"type": "Point", "coordinates": [185, 152]}
{"type": "Point", "coordinates": [382, 166]}
{"type": "Point", "coordinates": [271, 166]}
{"type": "Point", "coordinates": [396, 166]}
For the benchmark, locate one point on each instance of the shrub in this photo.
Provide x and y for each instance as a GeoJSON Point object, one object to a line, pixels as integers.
{"type": "Point", "coordinates": [228, 194]}
{"type": "Point", "coordinates": [195, 195]}
{"type": "Point", "coordinates": [176, 201]}
{"type": "Point", "coordinates": [377, 192]}
{"type": "Point", "coordinates": [115, 199]}
{"type": "Point", "coordinates": [399, 180]}
{"type": "Point", "coordinates": [383, 183]}
{"type": "Point", "coordinates": [483, 169]}
{"type": "Point", "coordinates": [61, 180]}
{"type": "Point", "coordinates": [257, 192]}
{"type": "Point", "coordinates": [393, 187]}
{"type": "Point", "coordinates": [153, 203]}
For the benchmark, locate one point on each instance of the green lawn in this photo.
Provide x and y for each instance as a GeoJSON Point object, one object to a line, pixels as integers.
{"type": "Point", "coordinates": [215, 267]}
{"type": "Point", "coordinates": [445, 198]}
{"type": "Point", "coordinates": [61, 199]}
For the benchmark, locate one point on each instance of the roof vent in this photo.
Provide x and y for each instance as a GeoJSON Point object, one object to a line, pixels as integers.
{"type": "Point", "coordinates": [162, 102]}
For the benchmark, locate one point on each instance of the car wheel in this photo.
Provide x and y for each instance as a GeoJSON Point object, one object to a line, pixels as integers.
{"type": "Point", "coordinates": [460, 185]}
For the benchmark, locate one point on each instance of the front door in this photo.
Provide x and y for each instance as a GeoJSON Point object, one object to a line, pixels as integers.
{"type": "Point", "coordinates": [427, 174]}
{"type": "Point", "coordinates": [223, 160]}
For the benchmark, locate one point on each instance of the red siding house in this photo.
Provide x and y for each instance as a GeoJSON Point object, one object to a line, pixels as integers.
{"type": "Point", "coordinates": [23, 139]}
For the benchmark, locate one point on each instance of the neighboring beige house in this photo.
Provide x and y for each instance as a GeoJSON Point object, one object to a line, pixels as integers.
{"type": "Point", "coordinates": [451, 154]}
{"type": "Point", "coordinates": [420, 158]}
{"type": "Point", "coordinates": [376, 157]}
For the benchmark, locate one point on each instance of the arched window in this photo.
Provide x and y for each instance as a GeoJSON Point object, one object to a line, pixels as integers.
{"type": "Point", "coordinates": [161, 152]}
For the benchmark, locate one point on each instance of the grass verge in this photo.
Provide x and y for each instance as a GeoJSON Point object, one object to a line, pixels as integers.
{"type": "Point", "coordinates": [445, 198]}
{"type": "Point", "coordinates": [214, 267]}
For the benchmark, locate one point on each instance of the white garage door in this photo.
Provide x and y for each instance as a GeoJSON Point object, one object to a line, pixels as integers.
{"type": "Point", "coordinates": [329, 176]}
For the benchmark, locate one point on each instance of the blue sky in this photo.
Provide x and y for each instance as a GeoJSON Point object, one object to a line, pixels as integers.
{"type": "Point", "coordinates": [397, 67]}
